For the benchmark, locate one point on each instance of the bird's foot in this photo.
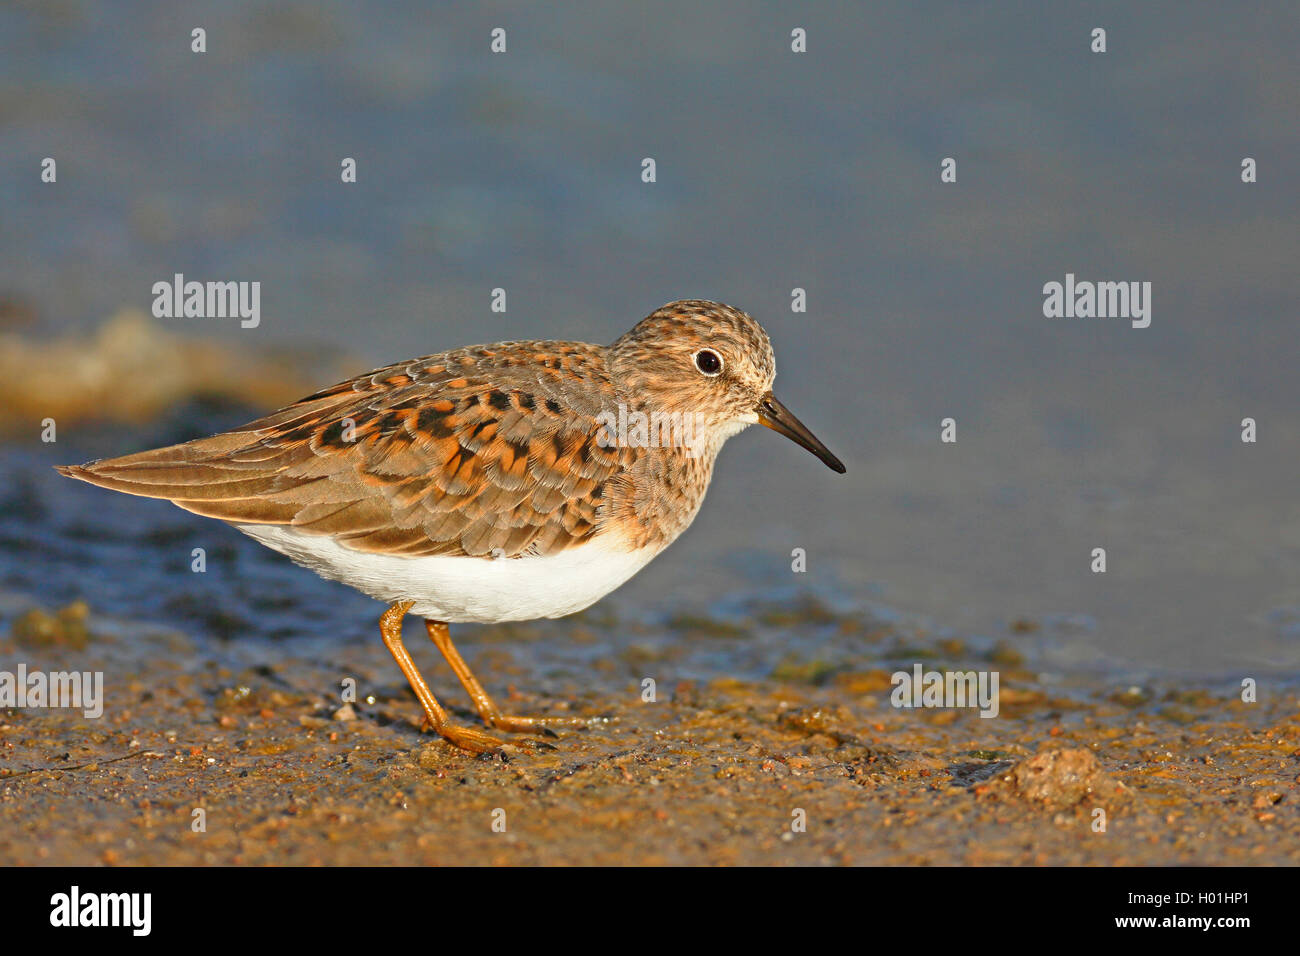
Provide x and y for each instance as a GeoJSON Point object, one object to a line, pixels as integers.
{"type": "Point", "coordinates": [539, 725]}
{"type": "Point", "coordinates": [466, 738]}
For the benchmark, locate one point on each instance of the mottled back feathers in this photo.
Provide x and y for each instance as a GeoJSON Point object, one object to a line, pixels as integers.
{"type": "Point", "coordinates": [489, 451]}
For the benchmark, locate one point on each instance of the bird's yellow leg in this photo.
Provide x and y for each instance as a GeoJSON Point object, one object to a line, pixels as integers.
{"type": "Point", "coordinates": [440, 634]}
{"type": "Point", "coordinates": [475, 741]}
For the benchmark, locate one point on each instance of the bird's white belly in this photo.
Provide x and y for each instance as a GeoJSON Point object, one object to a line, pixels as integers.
{"type": "Point", "coordinates": [462, 589]}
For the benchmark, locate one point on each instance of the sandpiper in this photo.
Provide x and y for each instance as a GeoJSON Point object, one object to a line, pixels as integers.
{"type": "Point", "coordinates": [491, 483]}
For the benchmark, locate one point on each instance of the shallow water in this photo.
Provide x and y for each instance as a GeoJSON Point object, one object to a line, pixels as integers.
{"type": "Point", "coordinates": [775, 171]}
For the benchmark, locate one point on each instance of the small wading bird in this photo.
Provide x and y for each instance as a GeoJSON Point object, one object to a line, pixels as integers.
{"type": "Point", "coordinates": [481, 484]}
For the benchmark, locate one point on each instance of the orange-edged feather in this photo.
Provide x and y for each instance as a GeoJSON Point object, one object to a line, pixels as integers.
{"type": "Point", "coordinates": [490, 450]}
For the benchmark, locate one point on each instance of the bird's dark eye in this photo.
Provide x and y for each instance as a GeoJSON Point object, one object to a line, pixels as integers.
{"type": "Point", "coordinates": [708, 362]}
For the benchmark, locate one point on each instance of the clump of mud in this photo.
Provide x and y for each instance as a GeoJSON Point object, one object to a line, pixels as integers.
{"type": "Point", "coordinates": [67, 626]}
{"type": "Point", "coordinates": [1056, 779]}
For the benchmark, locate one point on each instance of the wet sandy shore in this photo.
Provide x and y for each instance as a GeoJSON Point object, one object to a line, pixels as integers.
{"type": "Point", "coordinates": [713, 772]}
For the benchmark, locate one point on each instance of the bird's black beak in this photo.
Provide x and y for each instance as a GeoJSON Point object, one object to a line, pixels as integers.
{"type": "Point", "coordinates": [781, 420]}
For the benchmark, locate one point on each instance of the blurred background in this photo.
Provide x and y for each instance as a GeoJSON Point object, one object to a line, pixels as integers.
{"type": "Point", "coordinates": [775, 170]}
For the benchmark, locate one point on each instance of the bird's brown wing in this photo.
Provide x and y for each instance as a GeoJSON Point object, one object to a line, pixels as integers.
{"type": "Point", "coordinates": [490, 450]}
